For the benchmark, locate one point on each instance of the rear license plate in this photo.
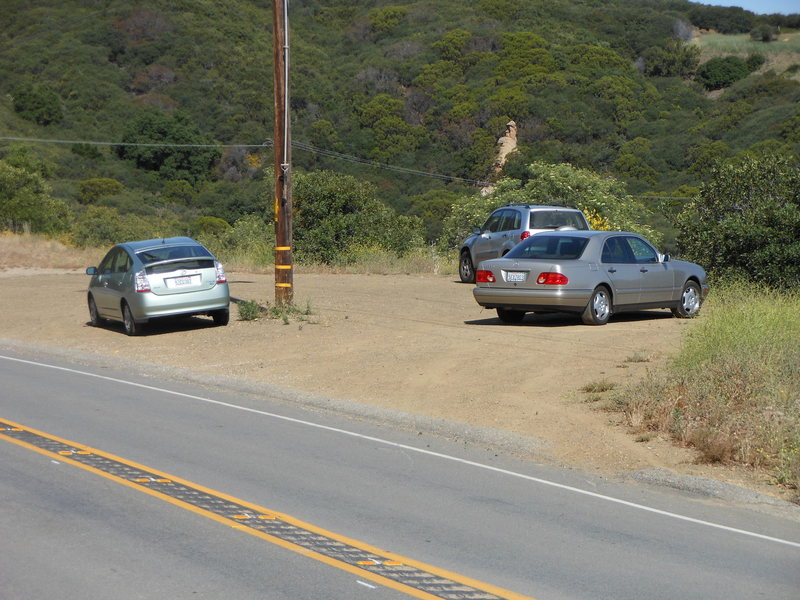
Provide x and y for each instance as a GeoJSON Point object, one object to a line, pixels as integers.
{"type": "Point", "coordinates": [174, 282]}
{"type": "Point", "coordinates": [515, 276]}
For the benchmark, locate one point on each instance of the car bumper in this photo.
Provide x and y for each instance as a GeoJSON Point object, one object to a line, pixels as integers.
{"type": "Point", "coordinates": [532, 300]}
{"type": "Point", "coordinates": [147, 305]}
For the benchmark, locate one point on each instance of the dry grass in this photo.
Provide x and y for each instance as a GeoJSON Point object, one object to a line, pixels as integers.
{"type": "Point", "coordinates": [733, 390]}
{"type": "Point", "coordinates": [780, 54]}
{"type": "Point", "coordinates": [33, 251]}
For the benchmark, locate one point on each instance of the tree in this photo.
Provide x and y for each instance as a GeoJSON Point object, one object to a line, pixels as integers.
{"type": "Point", "coordinates": [26, 204]}
{"type": "Point", "coordinates": [171, 145]}
{"type": "Point", "coordinates": [600, 197]}
{"type": "Point", "coordinates": [334, 212]}
{"type": "Point", "coordinates": [746, 221]}
{"type": "Point", "coordinates": [675, 59]}
{"type": "Point", "coordinates": [38, 103]}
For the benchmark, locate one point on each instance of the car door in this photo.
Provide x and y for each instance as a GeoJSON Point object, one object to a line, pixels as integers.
{"type": "Point", "coordinates": [622, 270]}
{"type": "Point", "coordinates": [658, 279]}
{"type": "Point", "coordinates": [119, 281]}
{"type": "Point", "coordinates": [103, 297]}
{"type": "Point", "coordinates": [489, 243]}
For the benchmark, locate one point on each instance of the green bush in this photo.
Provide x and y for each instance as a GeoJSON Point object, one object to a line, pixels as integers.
{"type": "Point", "coordinates": [92, 190]}
{"type": "Point", "coordinates": [249, 241]}
{"type": "Point", "coordinates": [26, 203]}
{"type": "Point", "coordinates": [746, 222]}
{"type": "Point", "coordinates": [720, 72]}
{"type": "Point", "coordinates": [37, 103]}
{"type": "Point", "coordinates": [333, 212]}
{"type": "Point", "coordinates": [101, 226]}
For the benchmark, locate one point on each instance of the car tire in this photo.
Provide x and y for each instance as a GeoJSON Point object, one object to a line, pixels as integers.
{"type": "Point", "coordinates": [689, 302]}
{"type": "Point", "coordinates": [94, 315]}
{"type": "Point", "coordinates": [598, 310]}
{"type": "Point", "coordinates": [128, 322]}
{"type": "Point", "coordinates": [466, 270]}
{"type": "Point", "coordinates": [221, 317]}
{"type": "Point", "coordinates": [510, 316]}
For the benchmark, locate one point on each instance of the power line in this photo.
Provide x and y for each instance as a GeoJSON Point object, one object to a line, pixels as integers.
{"type": "Point", "coordinates": [266, 144]}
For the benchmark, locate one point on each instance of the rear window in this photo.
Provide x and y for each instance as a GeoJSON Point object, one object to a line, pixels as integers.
{"type": "Point", "coordinates": [550, 247]}
{"type": "Point", "coordinates": [153, 255]}
{"type": "Point", "coordinates": [553, 219]}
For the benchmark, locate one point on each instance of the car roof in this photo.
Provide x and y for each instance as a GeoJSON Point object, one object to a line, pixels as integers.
{"type": "Point", "coordinates": [592, 233]}
{"type": "Point", "coordinates": [540, 206]}
{"type": "Point", "coordinates": [137, 246]}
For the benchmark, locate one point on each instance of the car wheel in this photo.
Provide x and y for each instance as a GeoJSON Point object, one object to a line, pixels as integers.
{"type": "Point", "coordinates": [466, 270]}
{"type": "Point", "coordinates": [510, 316]}
{"type": "Point", "coordinates": [95, 317]}
{"type": "Point", "coordinates": [689, 303]}
{"type": "Point", "coordinates": [598, 311]}
{"type": "Point", "coordinates": [221, 317]}
{"type": "Point", "coordinates": [131, 326]}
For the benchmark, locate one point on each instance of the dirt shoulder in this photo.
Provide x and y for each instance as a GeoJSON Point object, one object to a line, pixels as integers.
{"type": "Point", "coordinates": [416, 344]}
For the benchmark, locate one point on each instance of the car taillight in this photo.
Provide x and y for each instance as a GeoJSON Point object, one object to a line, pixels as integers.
{"type": "Point", "coordinates": [141, 282]}
{"type": "Point", "coordinates": [524, 235]}
{"type": "Point", "coordinates": [221, 277]}
{"type": "Point", "coordinates": [552, 279]}
{"type": "Point", "coordinates": [484, 277]}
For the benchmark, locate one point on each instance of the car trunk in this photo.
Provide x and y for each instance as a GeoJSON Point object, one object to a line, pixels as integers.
{"type": "Point", "coordinates": [178, 276]}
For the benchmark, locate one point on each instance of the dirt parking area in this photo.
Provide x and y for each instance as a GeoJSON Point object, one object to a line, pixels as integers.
{"type": "Point", "coordinates": [417, 344]}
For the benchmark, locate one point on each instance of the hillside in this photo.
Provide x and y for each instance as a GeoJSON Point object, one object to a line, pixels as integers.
{"type": "Point", "coordinates": [389, 93]}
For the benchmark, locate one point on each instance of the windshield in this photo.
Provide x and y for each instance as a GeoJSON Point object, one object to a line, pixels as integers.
{"type": "Point", "coordinates": [549, 247]}
{"type": "Point", "coordinates": [153, 255]}
{"type": "Point", "coordinates": [553, 219]}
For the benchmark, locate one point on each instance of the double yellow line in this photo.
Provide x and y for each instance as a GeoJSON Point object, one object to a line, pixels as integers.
{"type": "Point", "coordinates": [411, 577]}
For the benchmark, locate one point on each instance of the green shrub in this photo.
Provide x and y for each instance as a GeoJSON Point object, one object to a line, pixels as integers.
{"type": "Point", "coordinates": [746, 221]}
{"type": "Point", "coordinates": [720, 72]}
{"type": "Point", "coordinates": [92, 190]}
{"type": "Point", "coordinates": [26, 203]}
{"type": "Point", "coordinates": [248, 310]}
{"type": "Point", "coordinates": [101, 226]}
{"type": "Point", "coordinates": [38, 103]}
{"type": "Point", "coordinates": [333, 212]}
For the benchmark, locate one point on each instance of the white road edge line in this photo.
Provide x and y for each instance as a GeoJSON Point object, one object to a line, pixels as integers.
{"type": "Point", "coordinates": [538, 480]}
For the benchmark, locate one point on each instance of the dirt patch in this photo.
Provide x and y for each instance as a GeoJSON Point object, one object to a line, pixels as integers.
{"type": "Point", "coordinates": [417, 344]}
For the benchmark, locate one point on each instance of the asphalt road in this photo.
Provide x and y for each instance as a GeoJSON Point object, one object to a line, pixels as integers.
{"type": "Point", "coordinates": [460, 512]}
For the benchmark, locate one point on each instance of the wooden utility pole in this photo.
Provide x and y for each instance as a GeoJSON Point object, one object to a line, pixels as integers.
{"type": "Point", "coordinates": [284, 279]}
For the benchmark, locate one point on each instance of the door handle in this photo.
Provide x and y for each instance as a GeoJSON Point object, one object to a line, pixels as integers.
{"type": "Point", "coordinates": [643, 270]}
{"type": "Point", "coordinates": [612, 270]}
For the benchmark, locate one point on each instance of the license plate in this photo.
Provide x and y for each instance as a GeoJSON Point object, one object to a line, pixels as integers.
{"type": "Point", "coordinates": [174, 282]}
{"type": "Point", "coordinates": [515, 276]}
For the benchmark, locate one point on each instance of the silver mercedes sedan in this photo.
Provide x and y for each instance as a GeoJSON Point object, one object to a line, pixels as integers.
{"type": "Point", "coordinates": [591, 273]}
{"type": "Point", "coordinates": [144, 280]}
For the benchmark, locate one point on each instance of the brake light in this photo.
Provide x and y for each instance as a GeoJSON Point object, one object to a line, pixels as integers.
{"type": "Point", "coordinates": [221, 276]}
{"type": "Point", "coordinates": [552, 279]}
{"type": "Point", "coordinates": [524, 235]}
{"type": "Point", "coordinates": [484, 277]}
{"type": "Point", "coordinates": [141, 282]}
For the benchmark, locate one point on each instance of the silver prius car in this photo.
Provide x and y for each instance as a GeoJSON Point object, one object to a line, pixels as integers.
{"type": "Point", "coordinates": [140, 281]}
{"type": "Point", "coordinates": [591, 273]}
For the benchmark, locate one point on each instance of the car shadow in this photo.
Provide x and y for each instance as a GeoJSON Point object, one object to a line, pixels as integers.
{"type": "Point", "coordinates": [571, 319]}
{"type": "Point", "coordinates": [162, 325]}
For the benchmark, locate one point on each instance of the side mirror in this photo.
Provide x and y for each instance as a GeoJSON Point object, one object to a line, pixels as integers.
{"type": "Point", "coordinates": [91, 270]}
{"type": "Point", "coordinates": [476, 231]}
{"type": "Point", "coordinates": [665, 258]}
